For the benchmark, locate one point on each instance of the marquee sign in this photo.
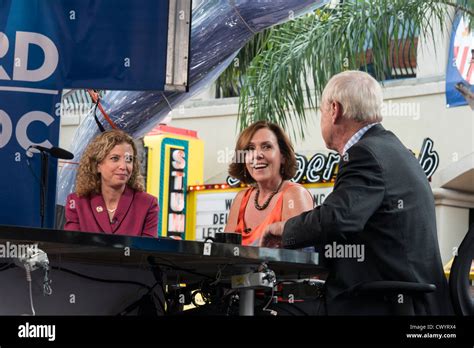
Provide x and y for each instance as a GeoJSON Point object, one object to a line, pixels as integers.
{"type": "Point", "coordinates": [174, 161]}
{"type": "Point", "coordinates": [177, 191]}
{"type": "Point", "coordinates": [322, 168]}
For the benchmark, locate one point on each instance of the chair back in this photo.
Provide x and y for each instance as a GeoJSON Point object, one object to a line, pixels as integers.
{"type": "Point", "coordinates": [459, 277]}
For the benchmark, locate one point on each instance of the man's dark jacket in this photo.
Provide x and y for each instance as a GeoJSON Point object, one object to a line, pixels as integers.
{"type": "Point", "coordinates": [381, 200]}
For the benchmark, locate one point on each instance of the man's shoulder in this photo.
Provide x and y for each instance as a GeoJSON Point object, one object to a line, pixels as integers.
{"type": "Point", "coordinates": [377, 147]}
{"type": "Point", "coordinates": [389, 152]}
{"type": "Point", "coordinates": [380, 142]}
{"type": "Point", "coordinates": [377, 134]}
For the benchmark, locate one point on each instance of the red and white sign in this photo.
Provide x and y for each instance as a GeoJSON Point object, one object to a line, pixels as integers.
{"type": "Point", "coordinates": [463, 51]}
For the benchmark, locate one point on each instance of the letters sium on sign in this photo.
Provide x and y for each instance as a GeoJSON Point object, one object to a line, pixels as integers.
{"type": "Point", "coordinates": [176, 216]}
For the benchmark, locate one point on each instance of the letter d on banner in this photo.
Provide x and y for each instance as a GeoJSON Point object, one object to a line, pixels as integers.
{"type": "Point", "coordinates": [51, 57]}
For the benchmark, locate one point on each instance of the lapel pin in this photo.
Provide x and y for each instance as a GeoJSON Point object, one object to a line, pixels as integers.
{"type": "Point", "coordinates": [99, 209]}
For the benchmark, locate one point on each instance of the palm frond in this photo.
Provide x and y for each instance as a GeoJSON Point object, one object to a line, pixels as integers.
{"type": "Point", "coordinates": [230, 81]}
{"type": "Point", "coordinates": [300, 56]}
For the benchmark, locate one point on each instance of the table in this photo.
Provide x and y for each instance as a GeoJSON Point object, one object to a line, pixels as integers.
{"type": "Point", "coordinates": [184, 261]}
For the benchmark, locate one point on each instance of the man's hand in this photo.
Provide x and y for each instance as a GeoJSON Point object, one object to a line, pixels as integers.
{"type": "Point", "coordinates": [271, 236]}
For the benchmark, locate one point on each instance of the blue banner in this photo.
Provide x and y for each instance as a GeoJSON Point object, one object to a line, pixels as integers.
{"type": "Point", "coordinates": [48, 45]}
{"type": "Point", "coordinates": [460, 67]}
{"type": "Point", "coordinates": [103, 44]}
{"type": "Point", "coordinates": [25, 119]}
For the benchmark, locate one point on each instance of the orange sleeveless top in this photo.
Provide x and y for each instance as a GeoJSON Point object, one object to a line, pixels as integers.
{"type": "Point", "coordinates": [252, 237]}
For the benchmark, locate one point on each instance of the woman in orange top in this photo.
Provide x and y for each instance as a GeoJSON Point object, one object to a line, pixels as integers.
{"type": "Point", "coordinates": [264, 157]}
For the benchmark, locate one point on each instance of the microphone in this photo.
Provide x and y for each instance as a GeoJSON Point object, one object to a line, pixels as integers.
{"type": "Point", "coordinates": [56, 152]}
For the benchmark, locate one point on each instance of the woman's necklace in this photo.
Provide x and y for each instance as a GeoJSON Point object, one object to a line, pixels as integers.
{"type": "Point", "coordinates": [111, 215]}
{"type": "Point", "coordinates": [267, 202]}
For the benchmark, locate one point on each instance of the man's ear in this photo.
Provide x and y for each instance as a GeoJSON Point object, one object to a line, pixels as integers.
{"type": "Point", "coordinates": [336, 112]}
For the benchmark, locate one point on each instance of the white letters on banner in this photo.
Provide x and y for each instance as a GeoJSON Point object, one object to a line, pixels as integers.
{"type": "Point", "coordinates": [21, 129]}
{"type": "Point", "coordinates": [20, 66]}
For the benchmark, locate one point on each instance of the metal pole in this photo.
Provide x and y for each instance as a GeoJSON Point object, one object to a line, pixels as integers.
{"type": "Point", "coordinates": [247, 298]}
{"type": "Point", "coordinates": [247, 302]}
{"type": "Point", "coordinates": [43, 186]}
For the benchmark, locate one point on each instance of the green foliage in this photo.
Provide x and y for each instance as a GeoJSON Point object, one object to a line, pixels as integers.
{"type": "Point", "coordinates": [284, 71]}
{"type": "Point", "coordinates": [229, 82]}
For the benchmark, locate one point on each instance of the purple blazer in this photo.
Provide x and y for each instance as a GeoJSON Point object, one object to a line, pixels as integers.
{"type": "Point", "coordinates": [136, 214]}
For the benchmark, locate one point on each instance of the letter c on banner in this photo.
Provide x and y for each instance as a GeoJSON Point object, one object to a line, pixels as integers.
{"type": "Point", "coordinates": [6, 128]}
{"type": "Point", "coordinates": [22, 128]}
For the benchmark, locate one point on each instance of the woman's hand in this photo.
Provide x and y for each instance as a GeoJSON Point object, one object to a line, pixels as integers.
{"type": "Point", "coordinates": [271, 236]}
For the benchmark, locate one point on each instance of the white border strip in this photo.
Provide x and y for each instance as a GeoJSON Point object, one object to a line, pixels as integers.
{"type": "Point", "coordinates": [29, 90]}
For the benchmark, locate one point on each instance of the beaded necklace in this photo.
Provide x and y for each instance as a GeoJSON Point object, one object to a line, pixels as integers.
{"type": "Point", "coordinates": [267, 202]}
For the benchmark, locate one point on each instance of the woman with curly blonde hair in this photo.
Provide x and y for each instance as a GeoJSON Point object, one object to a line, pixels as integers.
{"type": "Point", "coordinates": [110, 195]}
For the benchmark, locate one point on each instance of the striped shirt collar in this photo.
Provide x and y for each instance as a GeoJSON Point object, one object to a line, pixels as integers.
{"type": "Point", "coordinates": [356, 137]}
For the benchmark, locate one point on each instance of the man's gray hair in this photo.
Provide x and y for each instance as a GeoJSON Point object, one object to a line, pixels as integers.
{"type": "Point", "coordinates": [359, 94]}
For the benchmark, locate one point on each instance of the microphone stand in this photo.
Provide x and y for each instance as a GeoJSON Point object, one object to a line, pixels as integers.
{"type": "Point", "coordinates": [43, 185]}
{"type": "Point", "coordinates": [56, 152]}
